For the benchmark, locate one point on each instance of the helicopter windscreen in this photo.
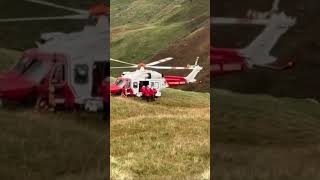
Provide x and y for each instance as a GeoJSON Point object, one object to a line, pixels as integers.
{"type": "Point", "coordinates": [22, 65]}
{"type": "Point", "coordinates": [119, 83]}
{"type": "Point", "coordinates": [37, 70]}
{"type": "Point", "coordinates": [122, 82]}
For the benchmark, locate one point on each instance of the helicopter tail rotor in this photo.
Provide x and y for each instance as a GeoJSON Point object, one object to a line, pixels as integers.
{"type": "Point", "coordinates": [191, 77]}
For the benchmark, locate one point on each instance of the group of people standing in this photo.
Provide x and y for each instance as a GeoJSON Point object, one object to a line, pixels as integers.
{"type": "Point", "coordinates": [148, 93]}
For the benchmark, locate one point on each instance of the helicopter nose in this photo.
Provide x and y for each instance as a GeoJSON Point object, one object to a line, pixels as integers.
{"type": "Point", "coordinates": [114, 88]}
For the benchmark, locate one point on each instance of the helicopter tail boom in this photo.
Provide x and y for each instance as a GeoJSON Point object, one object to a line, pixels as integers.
{"type": "Point", "coordinates": [195, 70]}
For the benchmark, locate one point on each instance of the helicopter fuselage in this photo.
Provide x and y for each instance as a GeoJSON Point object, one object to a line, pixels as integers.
{"type": "Point", "coordinates": [131, 83]}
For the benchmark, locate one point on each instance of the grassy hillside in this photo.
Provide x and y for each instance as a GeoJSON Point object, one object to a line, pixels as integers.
{"type": "Point", "coordinates": [8, 58]}
{"type": "Point", "coordinates": [186, 50]}
{"type": "Point", "coordinates": [51, 146]}
{"type": "Point", "coordinates": [44, 145]}
{"type": "Point", "coordinates": [143, 30]}
{"type": "Point", "coordinates": [262, 137]}
{"type": "Point", "coordinates": [166, 139]}
{"type": "Point", "coordinates": [164, 11]}
{"type": "Point", "coordinates": [301, 43]}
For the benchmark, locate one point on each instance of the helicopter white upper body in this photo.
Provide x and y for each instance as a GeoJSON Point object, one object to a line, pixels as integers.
{"type": "Point", "coordinates": [135, 80]}
{"type": "Point", "coordinates": [140, 77]}
{"type": "Point", "coordinates": [258, 52]}
{"type": "Point", "coordinates": [82, 51]}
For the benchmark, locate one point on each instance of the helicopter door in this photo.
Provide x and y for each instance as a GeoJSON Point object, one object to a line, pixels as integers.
{"type": "Point", "coordinates": [143, 83]}
{"type": "Point", "coordinates": [81, 79]}
{"type": "Point", "coordinates": [58, 81]}
{"type": "Point", "coordinates": [98, 76]}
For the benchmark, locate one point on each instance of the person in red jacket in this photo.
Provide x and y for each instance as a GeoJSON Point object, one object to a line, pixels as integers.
{"type": "Point", "coordinates": [151, 94]}
{"type": "Point", "coordinates": [105, 92]}
{"type": "Point", "coordinates": [143, 91]}
{"type": "Point", "coordinates": [154, 93]}
{"type": "Point", "coordinates": [147, 93]}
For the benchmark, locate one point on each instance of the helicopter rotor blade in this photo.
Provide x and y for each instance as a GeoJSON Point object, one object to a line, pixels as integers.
{"type": "Point", "coordinates": [79, 11]}
{"type": "Point", "coordinates": [233, 21]}
{"type": "Point", "coordinates": [159, 61]}
{"type": "Point", "coordinates": [71, 17]}
{"type": "Point", "coordinates": [172, 67]}
{"type": "Point", "coordinates": [115, 60]}
{"type": "Point", "coordinates": [123, 67]}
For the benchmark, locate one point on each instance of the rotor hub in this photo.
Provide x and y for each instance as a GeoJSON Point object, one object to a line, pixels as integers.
{"type": "Point", "coordinates": [141, 65]}
{"type": "Point", "coordinates": [100, 9]}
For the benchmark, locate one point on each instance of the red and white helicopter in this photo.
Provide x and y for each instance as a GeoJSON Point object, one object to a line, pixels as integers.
{"type": "Point", "coordinates": [132, 83]}
{"type": "Point", "coordinates": [73, 62]}
{"type": "Point", "coordinates": [256, 54]}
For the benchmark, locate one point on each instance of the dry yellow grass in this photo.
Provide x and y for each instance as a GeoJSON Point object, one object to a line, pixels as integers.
{"type": "Point", "coordinates": [166, 139]}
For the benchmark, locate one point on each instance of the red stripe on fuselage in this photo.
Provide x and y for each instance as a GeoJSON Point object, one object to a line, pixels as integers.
{"type": "Point", "coordinates": [175, 80]}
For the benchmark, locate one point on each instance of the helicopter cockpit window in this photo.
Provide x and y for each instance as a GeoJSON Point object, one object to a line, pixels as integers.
{"type": "Point", "coordinates": [37, 70]}
{"type": "Point", "coordinates": [135, 85]}
{"type": "Point", "coordinates": [149, 76]}
{"type": "Point", "coordinates": [22, 65]}
{"type": "Point", "coordinates": [81, 72]}
{"type": "Point", "coordinates": [119, 82]}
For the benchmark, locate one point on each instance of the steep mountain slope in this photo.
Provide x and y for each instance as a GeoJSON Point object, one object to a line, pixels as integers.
{"type": "Point", "coordinates": [301, 44]}
{"type": "Point", "coordinates": [142, 31]}
{"type": "Point", "coordinates": [185, 51]}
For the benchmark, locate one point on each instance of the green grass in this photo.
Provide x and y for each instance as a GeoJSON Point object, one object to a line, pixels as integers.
{"type": "Point", "coordinates": [169, 138]}
{"type": "Point", "coordinates": [156, 11]}
{"type": "Point", "coordinates": [166, 139]}
{"type": "Point", "coordinates": [44, 145]}
{"type": "Point", "coordinates": [8, 58]}
{"type": "Point", "coordinates": [137, 36]}
{"type": "Point", "coordinates": [142, 43]}
{"type": "Point", "coordinates": [262, 137]}
{"type": "Point", "coordinates": [51, 146]}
